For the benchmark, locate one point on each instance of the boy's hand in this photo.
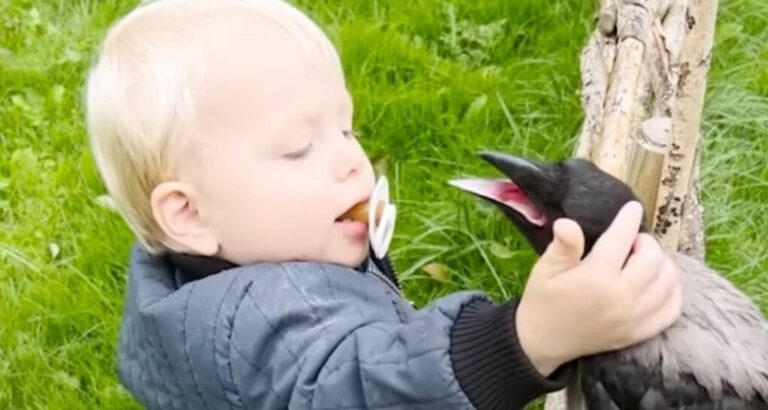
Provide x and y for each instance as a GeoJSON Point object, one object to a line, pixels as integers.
{"type": "Point", "coordinates": [572, 308]}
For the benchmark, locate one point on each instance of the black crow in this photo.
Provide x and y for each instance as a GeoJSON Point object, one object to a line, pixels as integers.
{"type": "Point", "coordinates": [714, 357]}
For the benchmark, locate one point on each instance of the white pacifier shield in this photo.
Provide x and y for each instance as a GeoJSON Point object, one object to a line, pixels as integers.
{"type": "Point", "coordinates": [381, 234]}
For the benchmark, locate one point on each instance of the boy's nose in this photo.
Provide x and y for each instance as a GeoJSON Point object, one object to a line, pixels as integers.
{"type": "Point", "coordinates": [347, 166]}
{"type": "Point", "coordinates": [349, 160]}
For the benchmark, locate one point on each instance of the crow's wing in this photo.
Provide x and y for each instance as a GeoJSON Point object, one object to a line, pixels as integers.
{"type": "Point", "coordinates": [612, 382]}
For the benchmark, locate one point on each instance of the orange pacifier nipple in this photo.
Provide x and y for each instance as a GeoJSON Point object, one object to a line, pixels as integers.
{"type": "Point", "coordinates": [360, 212]}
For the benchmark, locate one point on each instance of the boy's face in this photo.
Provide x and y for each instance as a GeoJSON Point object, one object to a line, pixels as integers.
{"type": "Point", "coordinates": [275, 163]}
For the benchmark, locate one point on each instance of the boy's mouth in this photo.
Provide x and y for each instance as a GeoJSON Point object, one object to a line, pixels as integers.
{"type": "Point", "coordinates": [354, 221]}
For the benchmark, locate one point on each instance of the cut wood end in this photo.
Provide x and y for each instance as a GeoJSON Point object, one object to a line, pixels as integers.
{"type": "Point", "coordinates": [656, 134]}
{"type": "Point", "coordinates": [646, 161]}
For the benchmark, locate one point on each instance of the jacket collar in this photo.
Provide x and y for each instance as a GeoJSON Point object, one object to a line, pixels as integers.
{"type": "Point", "coordinates": [193, 267]}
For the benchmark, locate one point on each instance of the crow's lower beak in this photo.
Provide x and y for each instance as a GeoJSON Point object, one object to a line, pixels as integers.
{"type": "Point", "coordinates": [527, 174]}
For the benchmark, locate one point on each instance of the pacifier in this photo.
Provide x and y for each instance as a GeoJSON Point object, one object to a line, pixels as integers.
{"type": "Point", "coordinates": [379, 217]}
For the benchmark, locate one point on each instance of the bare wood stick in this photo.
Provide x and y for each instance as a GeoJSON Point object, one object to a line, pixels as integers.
{"type": "Point", "coordinates": [644, 93]}
{"type": "Point", "coordinates": [570, 398]}
{"type": "Point", "coordinates": [669, 40]}
{"type": "Point", "coordinates": [594, 79]}
{"type": "Point", "coordinates": [655, 74]}
{"type": "Point", "coordinates": [673, 29]}
{"type": "Point", "coordinates": [695, 58]}
{"type": "Point", "coordinates": [633, 26]}
{"type": "Point", "coordinates": [645, 165]}
{"type": "Point", "coordinates": [692, 236]}
{"type": "Point", "coordinates": [609, 49]}
{"type": "Point", "coordinates": [574, 397]}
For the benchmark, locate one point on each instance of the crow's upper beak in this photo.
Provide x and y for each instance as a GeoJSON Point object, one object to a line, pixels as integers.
{"type": "Point", "coordinates": [518, 192]}
{"type": "Point", "coordinates": [527, 174]}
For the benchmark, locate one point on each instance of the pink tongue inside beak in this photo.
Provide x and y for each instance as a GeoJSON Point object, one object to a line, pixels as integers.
{"type": "Point", "coordinates": [505, 192]}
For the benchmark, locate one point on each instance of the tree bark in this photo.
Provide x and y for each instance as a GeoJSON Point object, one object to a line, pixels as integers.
{"type": "Point", "coordinates": [681, 162]}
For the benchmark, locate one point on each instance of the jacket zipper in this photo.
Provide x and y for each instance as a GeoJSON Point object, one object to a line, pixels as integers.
{"type": "Point", "coordinates": [386, 265]}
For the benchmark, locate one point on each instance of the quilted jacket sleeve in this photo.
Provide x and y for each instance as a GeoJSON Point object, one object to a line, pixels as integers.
{"type": "Point", "coordinates": [335, 343]}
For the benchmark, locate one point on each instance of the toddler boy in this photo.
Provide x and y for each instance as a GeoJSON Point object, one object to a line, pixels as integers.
{"type": "Point", "coordinates": [222, 130]}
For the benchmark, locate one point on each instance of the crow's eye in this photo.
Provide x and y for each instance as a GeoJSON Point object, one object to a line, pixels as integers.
{"type": "Point", "coordinates": [297, 155]}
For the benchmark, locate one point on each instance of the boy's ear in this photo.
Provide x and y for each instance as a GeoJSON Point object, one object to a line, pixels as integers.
{"type": "Point", "coordinates": [177, 214]}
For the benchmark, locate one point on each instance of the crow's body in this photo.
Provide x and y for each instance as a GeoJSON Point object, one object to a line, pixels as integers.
{"type": "Point", "coordinates": [714, 357]}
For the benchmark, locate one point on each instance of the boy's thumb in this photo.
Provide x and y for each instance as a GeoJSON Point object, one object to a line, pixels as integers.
{"type": "Point", "coordinates": [565, 250]}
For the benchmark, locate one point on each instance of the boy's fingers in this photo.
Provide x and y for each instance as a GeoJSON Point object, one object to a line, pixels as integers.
{"type": "Point", "coordinates": [613, 246]}
{"type": "Point", "coordinates": [565, 250]}
{"type": "Point", "coordinates": [665, 315]}
{"type": "Point", "coordinates": [568, 242]}
{"type": "Point", "coordinates": [659, 292]}
{"type": "Point", "coordinates": [644, 265]}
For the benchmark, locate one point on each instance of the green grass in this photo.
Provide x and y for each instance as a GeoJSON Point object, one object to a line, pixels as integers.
{"type": "Point", "coordinates": [432, 85]}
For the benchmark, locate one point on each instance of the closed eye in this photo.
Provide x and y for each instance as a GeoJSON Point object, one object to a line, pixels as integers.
{"type": "Point", "coordinates": [296, 155]}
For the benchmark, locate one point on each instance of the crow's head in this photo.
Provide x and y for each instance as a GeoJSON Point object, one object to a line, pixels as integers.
{"type": "Point", "coordinates": [536, 194]}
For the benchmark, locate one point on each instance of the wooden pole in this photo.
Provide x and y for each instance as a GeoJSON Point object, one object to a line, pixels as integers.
{"type": "Point", "coordinates": [679, 164]}
{"type": "Point", "coordinates": [611, 151]}
{"type": "Point", "coordinates": [633, 28]}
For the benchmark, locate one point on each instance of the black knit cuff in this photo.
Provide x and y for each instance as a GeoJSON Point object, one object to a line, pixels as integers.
{"type": "Point", "coordinates": [490, 366]}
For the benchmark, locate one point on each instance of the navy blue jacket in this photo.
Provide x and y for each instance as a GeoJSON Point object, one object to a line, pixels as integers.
{"type": "Point", "coordinates": [310, 335]}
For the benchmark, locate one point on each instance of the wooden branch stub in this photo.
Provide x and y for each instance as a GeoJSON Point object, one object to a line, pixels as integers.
{"type": "Point", "coordinates": [649, 149]}
{"type": "Point", "coordinates": [634, 20]}
{"type": "Point", "coordinates": [607, 18]}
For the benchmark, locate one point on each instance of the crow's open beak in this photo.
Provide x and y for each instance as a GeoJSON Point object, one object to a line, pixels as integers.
{"type": "Point", "coordinates": [511, 193]}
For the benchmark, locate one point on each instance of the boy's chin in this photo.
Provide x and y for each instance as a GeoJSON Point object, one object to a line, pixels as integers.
{"type": "Point", "coordinates": [351, 255]}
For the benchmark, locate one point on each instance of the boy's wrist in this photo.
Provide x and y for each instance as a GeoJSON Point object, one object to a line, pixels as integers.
{"type": "Point", "coordinates": [489, 363]}
{"type": "Point", "coordinates": [539, 350]}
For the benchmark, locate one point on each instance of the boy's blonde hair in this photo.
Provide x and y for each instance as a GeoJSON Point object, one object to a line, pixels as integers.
{"type": "Point", "coordinates": [141, 95]}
